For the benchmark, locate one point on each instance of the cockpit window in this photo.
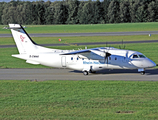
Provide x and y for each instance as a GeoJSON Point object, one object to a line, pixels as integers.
{"type": "Point", "coordinates": [135, 56]}
{"type": "Point", "coordinates": [142, 56]}
{"type": "Point", "coordinates": [138, 56]}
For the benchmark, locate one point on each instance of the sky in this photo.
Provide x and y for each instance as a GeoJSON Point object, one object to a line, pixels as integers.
{"type": "Point", "coordinates": [25, 0]}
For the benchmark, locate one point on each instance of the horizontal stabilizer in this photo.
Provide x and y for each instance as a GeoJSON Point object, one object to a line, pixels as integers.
{"type": "Point", "coordinates": [32, 62]}
{"type": "Point", "coordinates": [25, 57]}
{"type": "Point", "coordinates": [13, 27]}
{"type": "Point", "coordinates": [21, 56]}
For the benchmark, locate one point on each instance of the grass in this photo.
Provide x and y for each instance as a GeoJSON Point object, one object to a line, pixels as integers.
{"type": "Point", "coordinates": [7, 61]}
{"type": "Point", "coordinates": [122, 27]}
{"type": "Point", "coordinates": [86, 100]}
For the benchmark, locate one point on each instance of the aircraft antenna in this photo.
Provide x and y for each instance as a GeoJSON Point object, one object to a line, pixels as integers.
{"type": "Point", "coordinates": [123, 46]}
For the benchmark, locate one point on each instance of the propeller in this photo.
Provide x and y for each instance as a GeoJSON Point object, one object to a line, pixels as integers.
{"type": "Point", "coordinates": [106, 53]}
{"type": "Point", "coordinates": [106, 56]}
{"type": "Point", "coordinates": [127, 58]}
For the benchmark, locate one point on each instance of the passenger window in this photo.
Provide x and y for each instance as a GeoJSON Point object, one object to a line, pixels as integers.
{"type": "Point", "coordinates": [71, 58]}
{"type": "Point", "coordinates": [82, 58]}
{"type": "Point", "coordinates": [109, 58]}
{"type": "Point", "coordinates": [115, 58]}
{"type": "Point", "coordinates": [135, 56]}
{"type": "Point", "coordinates": [77, 58]}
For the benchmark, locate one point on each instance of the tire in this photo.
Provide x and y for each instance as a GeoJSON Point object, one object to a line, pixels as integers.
{"type": "Point", "coordinates": [85, 72]}
{"type": "Point", "coordinates": [142, 72]}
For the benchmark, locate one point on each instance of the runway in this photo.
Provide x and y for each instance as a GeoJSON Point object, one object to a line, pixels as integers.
{"type": "Point", "coordinates": [91, 43]}
{"type": "Point", "coordinates": [67, 74]}
{"type": "Point", "coordinates": [87, 34]}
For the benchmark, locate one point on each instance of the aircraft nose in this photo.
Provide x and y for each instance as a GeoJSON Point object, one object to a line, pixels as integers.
{"type": "Point", "coordinates": [150, 63]}
{"type": "Point", "coordinates": [143, 63]}
{"type": "Point", "coordinates": [154, 64]}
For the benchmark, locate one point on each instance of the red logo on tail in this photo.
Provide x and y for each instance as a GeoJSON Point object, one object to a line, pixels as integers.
{"type": "Point", "coordinates": [22, 38]}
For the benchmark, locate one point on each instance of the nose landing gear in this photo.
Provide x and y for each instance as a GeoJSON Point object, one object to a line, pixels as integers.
{"type": "Point", "coordinates": [142, 71]}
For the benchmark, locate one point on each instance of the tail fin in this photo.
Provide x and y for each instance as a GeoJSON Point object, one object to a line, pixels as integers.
{"type": "Point", "coordinates": [23, 41]}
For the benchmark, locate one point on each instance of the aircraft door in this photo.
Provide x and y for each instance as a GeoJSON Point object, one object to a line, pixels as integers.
{"type": "Point", "coordinates": [63, 61]}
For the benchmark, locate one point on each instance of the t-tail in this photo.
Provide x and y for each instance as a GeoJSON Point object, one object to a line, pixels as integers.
{"type": "Point", "coordinates": [23, 41]}
{"type": "Point", "coordinates": [26, 46]}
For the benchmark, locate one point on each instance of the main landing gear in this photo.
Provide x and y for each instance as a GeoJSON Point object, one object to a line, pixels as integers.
{"type": "Point", "coordinates": [85, 72]}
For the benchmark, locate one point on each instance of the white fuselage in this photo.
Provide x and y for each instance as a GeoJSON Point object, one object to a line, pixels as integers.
{"type": "Point", "coordinates": [119, 59]}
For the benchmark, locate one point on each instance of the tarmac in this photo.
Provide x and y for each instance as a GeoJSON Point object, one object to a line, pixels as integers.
{"type": "Point", "coordinates": [87, 34]}
{"type": "Point", "coordinates": [67, 74]}
{"type": "Point", "coordinates": [90, 43]}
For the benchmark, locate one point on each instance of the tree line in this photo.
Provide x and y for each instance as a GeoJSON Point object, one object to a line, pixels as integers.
{"type": "Point", "coordinates": [79, 12]}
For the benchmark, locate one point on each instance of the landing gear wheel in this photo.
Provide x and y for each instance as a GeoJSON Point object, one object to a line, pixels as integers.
{"type": "Point", "coordinates": [85, 72]}
{"type": "Point", "coordinates": [92, 71]}
{"type": "Point", "coordinates": [142, 72]}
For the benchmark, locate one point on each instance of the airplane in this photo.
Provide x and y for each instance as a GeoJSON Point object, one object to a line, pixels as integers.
{"type": "Point", "coordinates": [86, 60]}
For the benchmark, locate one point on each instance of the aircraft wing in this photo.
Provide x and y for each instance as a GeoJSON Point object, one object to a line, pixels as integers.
{"type": "Point", "coordinates": [77, 52]}
{"type": "Point", "coordinates": [83, 51]}
{"type": "Point", "coordinates": [93, 53]}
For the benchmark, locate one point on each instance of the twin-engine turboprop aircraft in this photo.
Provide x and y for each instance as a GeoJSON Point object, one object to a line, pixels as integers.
{"type": "Point", "coordinates": [87, 60]}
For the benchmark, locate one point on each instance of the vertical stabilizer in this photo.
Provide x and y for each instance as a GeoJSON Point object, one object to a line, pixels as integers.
{"type": "Point", "coordinates": [23, 41]}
